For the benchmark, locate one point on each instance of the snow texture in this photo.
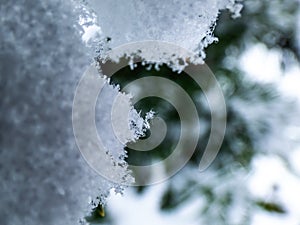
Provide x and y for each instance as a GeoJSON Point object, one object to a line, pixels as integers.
{"type": "Point", "coordinates": [188, 24]}
{"type": "Point", "coordinates": [44, 179]}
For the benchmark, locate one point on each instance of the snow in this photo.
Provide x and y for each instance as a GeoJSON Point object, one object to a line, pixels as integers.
{"type": "Point", "coordinates": [188, 24]}
{"type": "Point", "coordinates": [44, 178]}
{"type": "Point", "coordinates": [267, 172]}
{"type": "Point", "coordinates": [124, 208]}
{"type": "Point", "coordinates": [263, 65]}
{"type": "Point", "coordinates": [135, 209]}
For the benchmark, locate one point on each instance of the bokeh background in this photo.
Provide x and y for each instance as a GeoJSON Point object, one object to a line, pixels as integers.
{"type": "Point", "coordinates": [255, 177]}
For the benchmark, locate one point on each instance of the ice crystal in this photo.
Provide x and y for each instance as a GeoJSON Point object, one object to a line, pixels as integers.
{"type": "Point", "coordinates": [188, 24]}
{"type": "Point", "coordinates": [44, 179]}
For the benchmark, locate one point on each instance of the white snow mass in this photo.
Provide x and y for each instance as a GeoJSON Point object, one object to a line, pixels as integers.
{"type": "Point", "coordinates": [44, 179]}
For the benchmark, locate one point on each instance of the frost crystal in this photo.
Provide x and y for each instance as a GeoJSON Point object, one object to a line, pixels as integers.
{"type": "Point", "coordinates": [188, 24]}
{"type": "Point", "coordinates": [138, 124]}
{"type": "Point", "coordinates": [44, 179]}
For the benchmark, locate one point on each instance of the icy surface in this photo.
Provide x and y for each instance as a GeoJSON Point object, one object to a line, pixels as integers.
{"type": "Point", "coordinates": [44, 179]}
{"type": "Point", "coordinates": [188, 24]}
